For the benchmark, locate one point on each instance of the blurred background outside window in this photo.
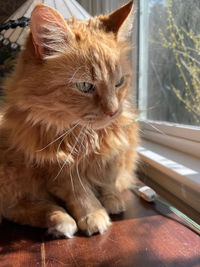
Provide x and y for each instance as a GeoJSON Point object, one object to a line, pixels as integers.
{"type": "Point", "coordinates": [169, 82]}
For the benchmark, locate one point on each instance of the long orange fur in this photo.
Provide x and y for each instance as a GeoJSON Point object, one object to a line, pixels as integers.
{"type": "Point", "coordinates": [59, 144]}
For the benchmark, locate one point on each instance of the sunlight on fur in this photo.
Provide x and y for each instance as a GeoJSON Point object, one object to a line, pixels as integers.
{"type": "Point", "coordinates": [68, 132]}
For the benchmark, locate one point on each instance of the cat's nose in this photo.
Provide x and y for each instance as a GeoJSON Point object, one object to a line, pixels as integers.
{"type": "Point", "coordinates": [110, 105]}
{"type": "Point", "coordinates": [110, 112]}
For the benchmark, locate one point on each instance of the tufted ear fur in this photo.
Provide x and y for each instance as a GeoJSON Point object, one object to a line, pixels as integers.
{"type": "Point", "coordinates": [120, 22]}
{"type": "Point", "coordinates": [49, 31]}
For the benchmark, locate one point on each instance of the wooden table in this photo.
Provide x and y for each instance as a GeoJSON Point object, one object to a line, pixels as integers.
{"type": "Point", "coordinates": [139, 237]}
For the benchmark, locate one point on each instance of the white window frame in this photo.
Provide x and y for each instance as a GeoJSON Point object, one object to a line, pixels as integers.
{"type": "Point", "coordinates": [183, 138]}
{"type": "Point", "coordinates": [170, 157]}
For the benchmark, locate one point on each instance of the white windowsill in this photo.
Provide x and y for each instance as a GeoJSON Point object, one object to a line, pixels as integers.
{"type": "Point", "coordinates": [174, 170]}
{"type": "Point", "coordinates": [183, 138]}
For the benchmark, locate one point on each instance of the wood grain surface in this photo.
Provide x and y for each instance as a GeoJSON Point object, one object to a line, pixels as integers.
{"type": "Point", "coordinates": [142, 236]}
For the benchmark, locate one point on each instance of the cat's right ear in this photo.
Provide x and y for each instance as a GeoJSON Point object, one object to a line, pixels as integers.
{"type": "Point", "coordinates": [120, 22]}
{"type": "Point", "coordinates": [49, 31]}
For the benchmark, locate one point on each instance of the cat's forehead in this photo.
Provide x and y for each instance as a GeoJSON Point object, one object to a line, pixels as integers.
{"type": "Point", "coordinates": [97, 50]}
{"type": "Point", "coordinates": [105, 63]}
{"type": "Point", "coordinates": [104, 56]}
{"type": "Point", "coordinates": [89, 34]}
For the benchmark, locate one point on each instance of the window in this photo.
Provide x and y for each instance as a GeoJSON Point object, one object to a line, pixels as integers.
{"type": "Point", "coordinates": [170, 61]}
{"type": "Point", "coordinates": [169, 73]}
{"type": "Point", "coordinates": [169, 96]}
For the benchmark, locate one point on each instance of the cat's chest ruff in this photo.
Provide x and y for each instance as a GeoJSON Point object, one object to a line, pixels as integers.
{"type": "Point", "coordinates": [97, 145]}
{"type": "Point", "coordinates": [114, 142]}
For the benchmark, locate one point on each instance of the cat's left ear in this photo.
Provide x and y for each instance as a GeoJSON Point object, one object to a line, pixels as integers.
{"type": "Point", "coordinates": [120, 22]}
{"type": "Point", "coordinates": [49, 31]}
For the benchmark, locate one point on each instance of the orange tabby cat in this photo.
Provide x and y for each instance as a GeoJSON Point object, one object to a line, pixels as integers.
{"type": "Point", "coordinates": [68, 133]}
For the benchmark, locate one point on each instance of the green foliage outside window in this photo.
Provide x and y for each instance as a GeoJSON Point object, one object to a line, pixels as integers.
{"type": "Point", "coordinates": [185, 45]}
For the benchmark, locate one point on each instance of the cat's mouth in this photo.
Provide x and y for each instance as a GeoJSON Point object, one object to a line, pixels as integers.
{"type": "Point", "coordinates": [98, 122]}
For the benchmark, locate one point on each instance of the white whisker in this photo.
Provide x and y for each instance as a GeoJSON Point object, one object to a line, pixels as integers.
{"type": "Point", "coordinates": [67, 133]}
{"type": "Point", "coordinates": [84, 135]}
{"type": "Point", "coordinates": [106, 131]}
{"type": "Point", "coordinates": [141, 131]}
{"type": "Point", "coordinates": [72, 78]}
{"type": "Point", "coordinates": [39, 150]}
{"type": "Point", "coordinates": [57, 138]}
{"type": "Point", "coordinates": [69, 154]}
{"type": "Point", "coordinates": [71, 178]}
{"type": "Point", "coordinates": [78, 174]}
{"type": "Point", "coordinates": [154, 127]}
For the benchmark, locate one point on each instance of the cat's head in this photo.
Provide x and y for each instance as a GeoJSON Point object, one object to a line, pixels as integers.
{"type": "Point", "coordinates": [76, 71]}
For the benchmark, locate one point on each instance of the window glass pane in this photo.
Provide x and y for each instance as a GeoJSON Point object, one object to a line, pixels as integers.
{"type": "Point", "coordinates": [169, 83]}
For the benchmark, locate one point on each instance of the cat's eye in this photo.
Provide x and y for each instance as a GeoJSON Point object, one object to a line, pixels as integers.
{"type": "Point", "coordinates": [120, 82]}
{"type": "Point", "coordinates": [85, 87]}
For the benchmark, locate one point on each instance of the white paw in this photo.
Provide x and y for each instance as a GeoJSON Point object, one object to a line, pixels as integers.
{"type": "Point", "coordinates": [66, 229]}
{"type": "Point", "coordinates": [98, 221]}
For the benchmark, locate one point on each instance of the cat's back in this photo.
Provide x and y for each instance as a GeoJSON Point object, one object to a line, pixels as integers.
{"type": "Point", "coordinates": [3, 131]}
{"type": "Point", "coordinates": [3, 108]}
{"type": "Point", "coordinates": [7, 156]}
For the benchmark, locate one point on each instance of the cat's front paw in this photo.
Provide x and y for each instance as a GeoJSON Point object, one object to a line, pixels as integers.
{"type": "Point", "coordinates": [95, 222]}
{"type": "Point", "coordinates": [113, 204]}
{"type": "Point", "coordinates": [62, 226]}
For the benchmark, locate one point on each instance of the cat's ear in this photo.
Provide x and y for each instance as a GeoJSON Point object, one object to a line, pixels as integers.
{"type": "Point", "coordinates": [120, 22]}
{"type": "Point", "coordinates": [49, 30]}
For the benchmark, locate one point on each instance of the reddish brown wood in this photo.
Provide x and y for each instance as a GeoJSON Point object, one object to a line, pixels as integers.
{"type": "Point", "coordinates": [140, 237]}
